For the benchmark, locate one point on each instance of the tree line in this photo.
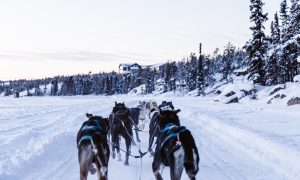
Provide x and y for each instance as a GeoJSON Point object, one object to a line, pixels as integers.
{"type": "Point", "coordinates": [274, 59]}
{"type": "Point", "coordinates": [265, 59]}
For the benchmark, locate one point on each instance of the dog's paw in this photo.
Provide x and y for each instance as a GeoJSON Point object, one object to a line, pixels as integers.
{"type": "Point", "coordinates": [92, 169]}
{"type": "Point", "coordinates": [113, 155]}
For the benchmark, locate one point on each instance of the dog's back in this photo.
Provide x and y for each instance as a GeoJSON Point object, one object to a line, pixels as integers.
{"type": "Point", "coordinates": [93, 147]}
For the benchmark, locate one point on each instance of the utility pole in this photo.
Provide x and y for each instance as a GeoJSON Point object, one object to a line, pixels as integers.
{"type": "Point", "coordinates": [200, 49]}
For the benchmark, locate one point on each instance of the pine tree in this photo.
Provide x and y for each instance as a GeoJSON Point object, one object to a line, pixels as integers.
{"type": "Point", "coordinates": [54, 88]}
{"type": "Point", "coordinates": [257, 47]}
{"type": "Point", "coordinates": [227, 61]}
{"type": "Point", "coordinates": [284, 17]}
{"type": "Point", "coordinates": [150, 87]}
{"type": "Point", "coordinates": [294, 44]}
{"type": "Point", "coordinates": [275, 32]}
{"type": "Point", "coordinates": [291, 43]}
{"type": "Point", "coordinates": [272, 66]}
{"type": "Point", "coordinates": [191, 68]}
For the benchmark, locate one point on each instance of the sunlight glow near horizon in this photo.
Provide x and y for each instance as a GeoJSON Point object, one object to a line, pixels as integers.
{"type": "Point", "coordinates": [62, 37]}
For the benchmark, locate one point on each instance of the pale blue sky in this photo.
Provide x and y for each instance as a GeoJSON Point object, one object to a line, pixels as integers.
{"type": "Point", "coordinates": [41, 38]}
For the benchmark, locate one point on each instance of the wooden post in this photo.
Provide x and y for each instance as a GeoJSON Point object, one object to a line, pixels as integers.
{"type": "Point", "coordinates": [200, 49]}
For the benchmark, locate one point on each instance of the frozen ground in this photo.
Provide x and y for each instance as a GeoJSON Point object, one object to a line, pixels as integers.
{"type": "Point", "coordinates": [250, 140]}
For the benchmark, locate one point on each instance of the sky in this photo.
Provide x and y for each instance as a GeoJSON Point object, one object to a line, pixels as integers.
{"type": "Point", "coordinates": [42, 38]}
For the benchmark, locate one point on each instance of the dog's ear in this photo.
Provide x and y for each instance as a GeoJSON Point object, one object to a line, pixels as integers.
{"type": "Point", "coordinates": [177, 111]}
{"type": "Point", "coordinates": [89, 115]}
{"type": "Point", "coordinates": [116, 103]}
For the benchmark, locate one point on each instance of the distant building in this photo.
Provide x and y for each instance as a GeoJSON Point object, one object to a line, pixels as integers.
{"type": "Point", "coordinates": [129, 68]}
{"type": "Point", "coordinates": [135, 67]}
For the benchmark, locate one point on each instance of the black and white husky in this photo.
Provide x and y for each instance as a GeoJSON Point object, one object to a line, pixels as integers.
{"type": "Point", "coordinates": [153, 125]}
{"type": "Point", "coordinates": [93, 149]}
{"type": "Point", "coordinates": [175, 148]}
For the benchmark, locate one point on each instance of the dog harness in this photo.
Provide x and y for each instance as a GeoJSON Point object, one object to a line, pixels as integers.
{"type": "Point", "coordinates": [98, 130]}
{"type": "Point", "coordinates": [170, 134]}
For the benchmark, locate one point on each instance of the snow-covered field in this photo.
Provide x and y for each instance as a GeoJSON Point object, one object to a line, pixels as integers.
{"type": "Point", "coordinates": [248, 140]}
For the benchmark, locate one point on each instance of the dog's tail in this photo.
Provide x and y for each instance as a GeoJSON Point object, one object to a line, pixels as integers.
{"type": "Point", "coordinates": [191, 159]}
{"type": "Point", "coordinates": [85, 156]}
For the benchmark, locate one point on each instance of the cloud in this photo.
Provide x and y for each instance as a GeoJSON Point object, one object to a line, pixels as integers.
{"type": "Point", "coordinates": [72, 55]}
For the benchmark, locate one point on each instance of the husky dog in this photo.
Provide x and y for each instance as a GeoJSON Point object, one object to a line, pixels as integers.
{"type": "Point", "coordinates": [153, 126]}
{"type": "Point", "coordinates": [138, 117]}
{"type": "Point", "coordinates": [175, 148]}
{"type": "Point", "coordinates": [93, 149]}
{"type": "Point", "coordinates": [143, 118]}
{"type": "Point", "coordinates": [121, 125]}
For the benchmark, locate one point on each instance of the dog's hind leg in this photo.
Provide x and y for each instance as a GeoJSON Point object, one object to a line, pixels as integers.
{"type": "Point", "coordinates": [156, 165]}
{"type": "Point", "coordinates": [85, 156]}
{"type": "Point", "coordinates": [118, 149]}
{"type": "Point", "coordinates": [83, 173]}
{"type": "Point", "coordinates": [115, 142]}
{"type": "Point", "coordinates": [151, 139]}
{"type": "Point", "coordinates": [176, 163]}
{"type": "Point", "coordinates": [101, 169]}
{"type": "Point", "coordinates": [128, 149]}
{"type": "Point", "coordinates": [192, 159]}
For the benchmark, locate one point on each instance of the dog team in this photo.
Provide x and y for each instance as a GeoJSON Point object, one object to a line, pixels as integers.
{"type": "Point", "coordinates": [170, 143]}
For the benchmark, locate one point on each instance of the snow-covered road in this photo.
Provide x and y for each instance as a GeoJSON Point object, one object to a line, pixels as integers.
{"type": "Point", "coordinates": [239, 141]}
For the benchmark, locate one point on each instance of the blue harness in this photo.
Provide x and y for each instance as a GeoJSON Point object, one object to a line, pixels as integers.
{"type": "Point", "coordinates": [170, 134]}
{"type": "Point", "coordinates": [98, 130]}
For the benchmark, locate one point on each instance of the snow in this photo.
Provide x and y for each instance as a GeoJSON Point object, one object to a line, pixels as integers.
{"type": "Point", "coordinates": [138, 90]}
{"type": "Point", "coordinates": [238, 86]}
{"type": "Point", "coordinates": [298, 59]}
{"type": "Point", "coordinates": [249, 140]}
{"type": "Point", "coordinates": [290, 90]}
{"type": "Point", "coordinates": [297, 78]}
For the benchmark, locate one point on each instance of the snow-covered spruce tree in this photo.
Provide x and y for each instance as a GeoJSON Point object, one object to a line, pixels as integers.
{"type": "Point", "coordinates": [216, 61]}
{"type": "Point", "coordinates": [272, 64]}
{"type": "Point", "coordinates": [126, 83]}
{"type": "Point", "coordinates": [37, 90]}
{"type": "Point", "coordinates": [284, 17]}
{"type": "Point", "coordinates": [227, 61]}
{"type": "Point", "coordinates": [107, 89]}
{"type": "Point", "coordinates": [173, 71]}
{"type": "Point", "coordinates": [191, 68]}
{"type": "Point", "coordinates": [209, 79]}
{"type": "Point", "coordinates": [181, 76]}
{"type": "Point", "coordinates": [275, 31]}
{"type": "Point", "coordinates": [291, 47]}
{"type": "Point", "coordinates": [54, 87]}
{"type": "Point", "coordinates": [256, 47]}
{"type": "Point", "coordinates": [149, 81]}
{"type": "Point", "coordinates": [282, 59]}
{"type": "Point", "coordinates": [290, 40]}
{"type": "Point", "coordinates": [169, 76]}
